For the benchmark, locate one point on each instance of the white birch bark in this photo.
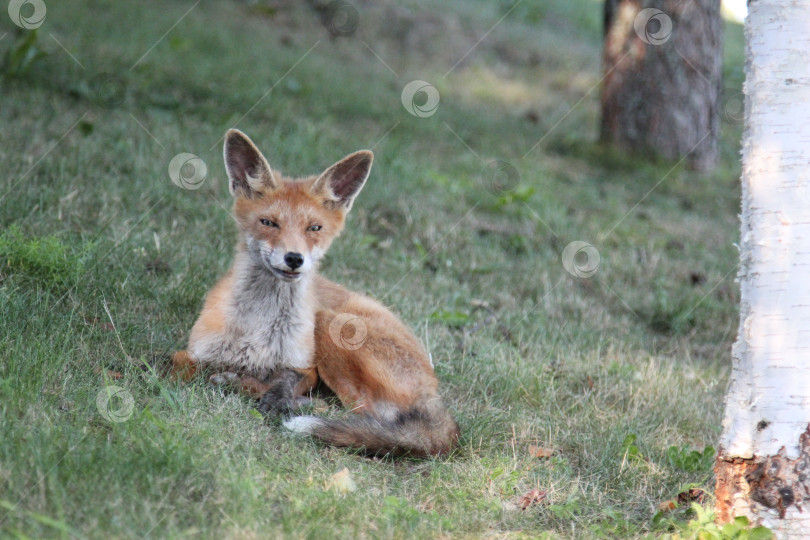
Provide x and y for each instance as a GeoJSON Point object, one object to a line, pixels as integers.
{"type": "Point", "coordinates": [768, 403]}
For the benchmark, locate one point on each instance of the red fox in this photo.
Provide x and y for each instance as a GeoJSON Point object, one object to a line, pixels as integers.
{"type": "Point", "coordinates": [276, 328]}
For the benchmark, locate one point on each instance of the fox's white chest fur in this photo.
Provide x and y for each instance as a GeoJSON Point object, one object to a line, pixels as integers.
{"type": "Point", "coordinates": [269, 324]}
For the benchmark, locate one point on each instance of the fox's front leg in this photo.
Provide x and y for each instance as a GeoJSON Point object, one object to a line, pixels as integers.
{"type": "Point", "coordinates": [287, 391]}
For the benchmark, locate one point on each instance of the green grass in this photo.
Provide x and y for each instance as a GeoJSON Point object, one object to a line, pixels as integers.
{"type": "Point", "coordinates": [104, 263]}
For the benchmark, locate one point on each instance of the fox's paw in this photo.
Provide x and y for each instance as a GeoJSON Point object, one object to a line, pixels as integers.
{"type": "Point", "coordinates": [273, 406]}
{"type": "Point", "coordinates": [280, 398]}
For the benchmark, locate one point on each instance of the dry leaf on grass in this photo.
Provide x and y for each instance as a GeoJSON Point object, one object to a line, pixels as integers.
{"type": "Point", "coordinates": [666, 506]}
{"type": "Point", "coordinates": [531, 498]}
{"type": "Point", "coordinates": [341, 482]}
{"type": "Point", "coordinates": [540, 451]}
{"type": "Point", "coordinates": [114, 375]}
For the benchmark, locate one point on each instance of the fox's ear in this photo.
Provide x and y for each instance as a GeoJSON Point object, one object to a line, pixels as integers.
{"type": "Point", "coordinates": [248, 171]}
{"type": "Point", "coordinates": [343, 181]}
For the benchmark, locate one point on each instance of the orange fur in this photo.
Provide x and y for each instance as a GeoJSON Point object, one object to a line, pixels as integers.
{"type": "Point", "coordinates": [273, 312]}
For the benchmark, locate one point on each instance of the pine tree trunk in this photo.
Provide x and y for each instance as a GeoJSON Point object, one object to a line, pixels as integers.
{"type": "Point", "coordinates": [663, 65]}
{"type": "Point", "coordinates": [763, 466]}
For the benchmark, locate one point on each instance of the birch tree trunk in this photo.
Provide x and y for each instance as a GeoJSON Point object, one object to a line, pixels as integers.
{"type": "Point", "coordinates": [763, 466]}
{"type": "Point", "coordinates": [663, 65]}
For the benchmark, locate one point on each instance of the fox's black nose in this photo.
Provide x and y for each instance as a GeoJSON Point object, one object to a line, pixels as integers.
{"type": "Point", "coordinates": [294, 260]}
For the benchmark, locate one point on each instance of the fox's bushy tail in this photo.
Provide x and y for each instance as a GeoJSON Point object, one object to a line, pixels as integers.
{"type": "Point", "coordinates": [419, 432]}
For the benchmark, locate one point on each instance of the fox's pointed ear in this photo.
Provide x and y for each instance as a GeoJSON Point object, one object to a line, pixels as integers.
{"type": "Point", "coordinates": [343, 181]}
{"type": "Point", "coordinates": [248, 171]}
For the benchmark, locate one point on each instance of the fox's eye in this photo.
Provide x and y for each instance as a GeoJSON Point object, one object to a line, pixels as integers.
{"type": "Point", "coordinates": [314, 228]}
{"type": "Point", "coordinates": [268, 223]}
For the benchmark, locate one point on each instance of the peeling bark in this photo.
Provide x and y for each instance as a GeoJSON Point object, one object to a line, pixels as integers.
{"type": "Point", "coordinates": [661, 90]}
{"type": "Point", "coordinates": [775, 483]}
{"type": "Point", "coordinates": [778, 482]}
{"type": "Point", "coordinates": [731, 485]}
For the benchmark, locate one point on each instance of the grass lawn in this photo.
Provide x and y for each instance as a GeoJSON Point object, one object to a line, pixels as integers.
{"type": "Point", "coordinates": [104, 261]}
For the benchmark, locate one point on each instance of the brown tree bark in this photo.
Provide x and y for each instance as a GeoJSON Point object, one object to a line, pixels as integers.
{"type": "Point", "coordinates": [663, 67]}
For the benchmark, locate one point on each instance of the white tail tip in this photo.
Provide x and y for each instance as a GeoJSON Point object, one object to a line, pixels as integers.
{"type": "Point", "coordinates": [302, 424]}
